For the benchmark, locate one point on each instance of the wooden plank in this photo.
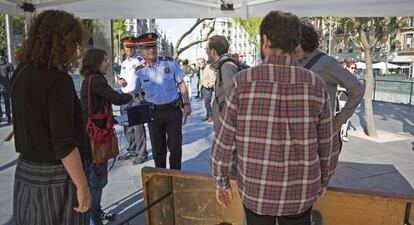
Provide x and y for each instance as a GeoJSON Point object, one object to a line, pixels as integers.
{"type": "Point", "coordinates": [155, 187]}
{"type": "Point", "coordinates": [193, 203]}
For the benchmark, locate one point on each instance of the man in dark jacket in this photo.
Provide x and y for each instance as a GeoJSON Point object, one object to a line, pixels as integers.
{"type": "Point", "coordinates": [6, 71]}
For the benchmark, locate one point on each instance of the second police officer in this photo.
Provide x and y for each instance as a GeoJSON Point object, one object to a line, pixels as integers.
{"type": "Point", "coordinates": [160, 79]}
{"type": "Point", "coordinates": [135, 135]}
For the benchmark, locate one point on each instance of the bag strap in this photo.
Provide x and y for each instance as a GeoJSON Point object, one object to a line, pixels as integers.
{"type": "Point", "coordinates": [314, 60]}
{"type": "Point", "coordinates": [15, 77]}
{"type": "Point", "coordinates": [91, 116]}
{"type": "Point", "coordinates": [221, 64]}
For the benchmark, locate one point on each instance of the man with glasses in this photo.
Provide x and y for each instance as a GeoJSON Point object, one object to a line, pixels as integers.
{"type": "Point", "coordinates": [135, 135]}
{"type": "Point", "coordinates": [160, 79]}
{"type": "Point", "coordinates": [331, 71]}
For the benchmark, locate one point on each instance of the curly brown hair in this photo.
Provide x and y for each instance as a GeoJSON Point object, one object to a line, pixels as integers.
{"type": "Point", "coordinates": [54, 40]}
{"type": "Point", "coordinates": [282, 29]}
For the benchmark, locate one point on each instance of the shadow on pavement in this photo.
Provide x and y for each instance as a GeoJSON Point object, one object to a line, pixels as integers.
{"type": "Point", "coordinates": [128, 207]}
{"type": "Point", "coordinates": [390, 111]}
{"type": "Point", "coordinates": [370, 177]}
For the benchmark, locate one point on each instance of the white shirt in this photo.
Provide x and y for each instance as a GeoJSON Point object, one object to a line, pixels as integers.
{"type": "Point", "coordinates": [128, 67]}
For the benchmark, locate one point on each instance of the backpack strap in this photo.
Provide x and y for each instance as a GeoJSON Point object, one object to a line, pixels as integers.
{"type": "Point", "coordinates": [221, 64]}
{"type": "Point", "coordinates": [314, 60]}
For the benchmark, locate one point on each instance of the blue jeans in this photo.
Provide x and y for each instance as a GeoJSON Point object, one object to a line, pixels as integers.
{"type": "Point", "coordinates": [98, 176]}
{"type": "Point", "coordinates": [207, 95]}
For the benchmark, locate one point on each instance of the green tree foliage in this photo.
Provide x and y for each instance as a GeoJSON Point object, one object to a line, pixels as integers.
{"type": "Point", "coordinates": [18, 28]}
{"type": "Point", "coordinates": [118, 31]}
{"type": "Point", "coordinates": [251, 26]}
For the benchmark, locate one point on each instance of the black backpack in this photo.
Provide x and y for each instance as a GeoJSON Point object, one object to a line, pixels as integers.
{"type": "Point", "coordinates": [220, 77]}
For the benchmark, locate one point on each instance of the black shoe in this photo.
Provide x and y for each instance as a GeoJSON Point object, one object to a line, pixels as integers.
{"type": "Point", "coordinates": [108, 216]}
{"type": "Point", "coordinates": [128, 155]}
{"type": "Point", "coordinates": [138, 161]}
{"type": "Point", "coordinates": [205, 119]}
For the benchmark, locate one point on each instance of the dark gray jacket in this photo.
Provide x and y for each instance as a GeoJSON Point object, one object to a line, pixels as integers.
{"type": "Point", "coordinates": [228, 70]}
{"type": "Point", "coordinates": [334, 74]}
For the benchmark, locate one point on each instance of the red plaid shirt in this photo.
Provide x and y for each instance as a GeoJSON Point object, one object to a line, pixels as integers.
{"type": "Point", "coordinates": [278, 120]}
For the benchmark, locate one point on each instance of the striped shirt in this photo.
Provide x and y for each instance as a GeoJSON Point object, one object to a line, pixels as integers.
{"type": "Point", "coordinates": [278, 120]}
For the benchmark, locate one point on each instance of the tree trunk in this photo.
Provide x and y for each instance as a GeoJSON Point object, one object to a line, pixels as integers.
{"type": "Point", "coordinates": [369, 92]}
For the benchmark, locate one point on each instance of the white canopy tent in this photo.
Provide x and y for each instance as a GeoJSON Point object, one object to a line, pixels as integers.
{"type": "Point", "coordinates": [213, 8]}
{"type": "Point", "coordinates": [361, 65]}
{"type": "Point", "coordinates": [383, 66]}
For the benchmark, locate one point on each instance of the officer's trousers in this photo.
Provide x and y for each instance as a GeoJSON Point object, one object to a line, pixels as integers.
{"type": "Point", "coordinates": [166, 131]}
{"type": "Point", "coordinates": [135, 136]}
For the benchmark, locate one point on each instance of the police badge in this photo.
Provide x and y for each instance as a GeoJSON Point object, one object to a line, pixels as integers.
{"type": "Point", "coordinates": [166, 70]}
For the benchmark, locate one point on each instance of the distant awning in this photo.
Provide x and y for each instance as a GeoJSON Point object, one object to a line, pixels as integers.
{"type": "Point", "coordinates": [383, 66]}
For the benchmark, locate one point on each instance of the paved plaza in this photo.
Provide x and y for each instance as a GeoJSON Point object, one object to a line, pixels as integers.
{"type": "Point", "coordinates": [383, 164]}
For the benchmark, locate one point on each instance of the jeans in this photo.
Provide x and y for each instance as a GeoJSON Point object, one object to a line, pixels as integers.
{"type": "Point", "coordinates": [98, 176]}
{"type": "Point", "coordinates": [255, 219]}
{"type": "Point", "coordinates": [207, 95]}
{"type": "Point", "coordinates": [6, 98]}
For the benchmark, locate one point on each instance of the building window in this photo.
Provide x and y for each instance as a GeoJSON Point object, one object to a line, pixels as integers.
{"type": "Point", "coordinates": [409, 22]}
{"type": "Point", "coordinates": [409, 41]}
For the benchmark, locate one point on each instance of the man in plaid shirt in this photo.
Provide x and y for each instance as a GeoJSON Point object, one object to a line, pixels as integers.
{"type": "Point", "coordinates": [278, 120]}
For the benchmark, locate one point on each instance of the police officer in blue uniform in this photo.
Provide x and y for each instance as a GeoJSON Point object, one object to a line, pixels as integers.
{"type": "Point", "coordinates": [135, 135]}
{"type": "Point", "coordinates": [160, 78]}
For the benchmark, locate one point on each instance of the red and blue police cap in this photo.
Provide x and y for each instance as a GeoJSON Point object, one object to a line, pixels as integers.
{"type": "Point", "coordinates": [148, 39]}
{"type": "Point", "coordinates": [129, 41]}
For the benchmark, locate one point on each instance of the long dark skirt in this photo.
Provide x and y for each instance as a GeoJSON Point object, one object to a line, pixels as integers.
{"type": "Point", "coordinates": [45, 195]}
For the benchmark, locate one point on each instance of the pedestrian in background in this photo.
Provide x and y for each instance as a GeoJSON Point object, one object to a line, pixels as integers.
{"type": "Point", "coordinates": [93, 68]}
{"type": "Point", "coordinates": [6, 71]}
{"type": "Point", "coordinates": [278, 120]}
{"type": "Point", "coordinates": [208, 79]}
{"type": "Point", "coordinates": [50, 186]}
{"type": "Point", "coordinates": [188, 72]}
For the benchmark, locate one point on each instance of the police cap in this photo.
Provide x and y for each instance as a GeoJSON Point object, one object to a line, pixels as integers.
{"type": "Point", "coordinates": [129, 41]}
{"type": "Point", "coordinates": [148, 39]}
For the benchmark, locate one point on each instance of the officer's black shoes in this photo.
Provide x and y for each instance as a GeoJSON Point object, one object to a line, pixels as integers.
{"type": "Point", "coordinates": [138, 161]}
{"type": "Point", "coordinates": [128, 155]}
{"type": "Point", "coordinates": [108, 216]}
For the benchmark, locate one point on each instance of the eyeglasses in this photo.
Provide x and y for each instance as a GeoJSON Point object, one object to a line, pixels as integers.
{"type": "Point", "coordinates": [352, 68]}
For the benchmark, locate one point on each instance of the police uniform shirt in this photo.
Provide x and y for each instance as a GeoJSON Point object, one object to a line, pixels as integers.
{"type": "Point", "coordinates": [128, 68]}
{"type": "Point", "coordinates": [160, 81]}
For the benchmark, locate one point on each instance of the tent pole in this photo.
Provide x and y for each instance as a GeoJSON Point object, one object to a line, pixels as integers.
{"type": "Point", "coordinates": [330, 36]}
{"type": "Point", "coordinates": [9, 33]}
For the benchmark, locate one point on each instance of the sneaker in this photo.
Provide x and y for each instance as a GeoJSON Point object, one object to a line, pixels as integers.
{"type": "Point", "coordinates": [128, 155]}
{"type": "Point", "coordinates": [138, 161]}
{"type": "Point", "coordinates": [345, 139]}
{"type": "Point", "coordinates": [108, 216]}
{"type": "Point", "coordinates": [205, 119]}
{"type": "Point", "coordinates": [210, 119]}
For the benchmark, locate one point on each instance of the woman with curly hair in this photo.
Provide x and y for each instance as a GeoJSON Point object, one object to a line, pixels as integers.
{"type": "Point", "coordinates": [50, 185]}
